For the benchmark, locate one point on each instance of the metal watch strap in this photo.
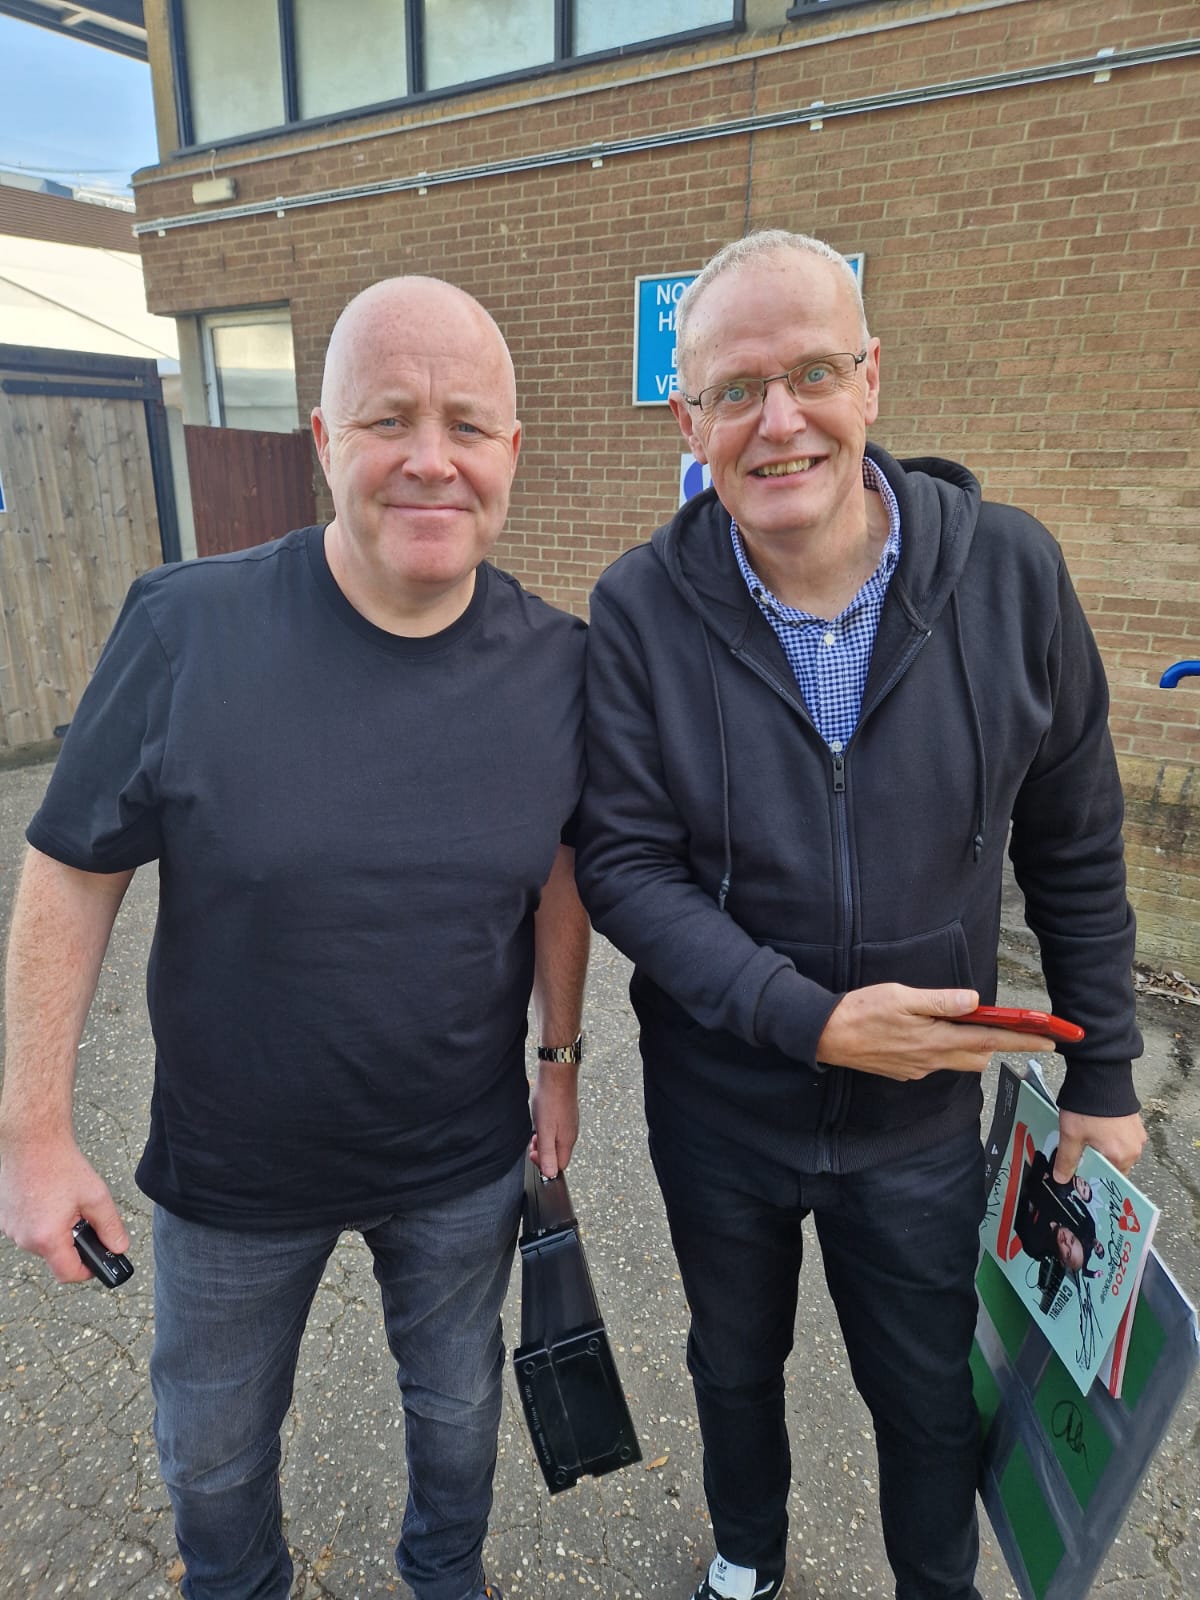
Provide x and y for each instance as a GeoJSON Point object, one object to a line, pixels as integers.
{"type": "Point", "coordinates": [570, 1053]}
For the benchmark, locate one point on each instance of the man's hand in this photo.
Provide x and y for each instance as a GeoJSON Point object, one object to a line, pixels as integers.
{"type": "Point", "coordinates": [1120, 1139]}
{"type": "Point", "coordinates": [62, 918]}
{"type": "Point", "coordinates": [45, 1187]}
{"type": "Point", "coordinates": [895, 1031]}
{"type": "Point", "coordinates": [555, 1107]}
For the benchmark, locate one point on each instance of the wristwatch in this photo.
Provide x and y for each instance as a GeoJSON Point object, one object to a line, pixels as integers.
{"type": "Point", "coordinates": [570, 1053]}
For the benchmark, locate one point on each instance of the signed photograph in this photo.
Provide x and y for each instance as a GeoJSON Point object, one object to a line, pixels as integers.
{"type": "Point", "coordinates": [1074, 1251]}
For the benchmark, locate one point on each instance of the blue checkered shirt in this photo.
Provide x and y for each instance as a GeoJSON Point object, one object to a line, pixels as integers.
{"type": "Point", "coordinates": [830, 658]}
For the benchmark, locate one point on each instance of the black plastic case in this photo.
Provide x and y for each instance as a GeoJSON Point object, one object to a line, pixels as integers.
{"type": "Point", "coordinates": [574, 1405]}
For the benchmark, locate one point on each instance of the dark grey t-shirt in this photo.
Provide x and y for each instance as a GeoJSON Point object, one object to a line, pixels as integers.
{"type": "Point", "coordinates": [352, 830]}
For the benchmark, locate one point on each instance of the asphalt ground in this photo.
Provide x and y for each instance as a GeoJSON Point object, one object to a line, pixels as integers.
{"type": "Point", "coordinates": [82, 1511]}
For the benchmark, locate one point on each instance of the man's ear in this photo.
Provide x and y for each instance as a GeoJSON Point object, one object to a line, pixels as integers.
{"type": "Point", "coordinates": [683, 416]}
{"type": "Point", "coordinates": [871, 410]}
{"type": "Point", "coordinates": [321, 439]}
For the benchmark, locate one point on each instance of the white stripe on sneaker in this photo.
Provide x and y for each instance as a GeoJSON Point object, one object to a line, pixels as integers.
{"type": "Point", "coordinates": [724, 1581]}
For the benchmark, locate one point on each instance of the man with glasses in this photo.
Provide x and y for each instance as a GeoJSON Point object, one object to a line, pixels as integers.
{"type": "Point", "coordinates": [816, 701]}
{"type": "Point", "coordinates": [353, 753]}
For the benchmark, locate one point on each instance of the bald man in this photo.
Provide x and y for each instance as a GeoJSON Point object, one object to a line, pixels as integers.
{"type": "Point", "coordinates": [355, 754]}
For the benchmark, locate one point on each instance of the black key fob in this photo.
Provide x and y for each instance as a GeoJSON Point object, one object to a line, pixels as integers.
{"type": "Point", "coordinates": [111, 1269]}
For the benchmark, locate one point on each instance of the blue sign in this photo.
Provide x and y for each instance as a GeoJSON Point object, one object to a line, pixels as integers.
{"type": "Point", "coordinates": [654, 303]}
{"type": "Point", "coordinates": [3, 507]}
{"type": "Point", "coordinates": [692, 477]}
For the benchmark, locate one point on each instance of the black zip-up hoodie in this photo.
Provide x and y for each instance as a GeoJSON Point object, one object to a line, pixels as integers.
{"type": "Point", "coordinates": [754, 877]}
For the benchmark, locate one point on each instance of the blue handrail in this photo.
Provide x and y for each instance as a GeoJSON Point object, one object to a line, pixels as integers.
{"type": "Point", "coordinates": [1181, 669]}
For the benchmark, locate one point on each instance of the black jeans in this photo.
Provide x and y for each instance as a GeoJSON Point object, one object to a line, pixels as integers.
{"type": "Point", "coordinates": [900, 1244]}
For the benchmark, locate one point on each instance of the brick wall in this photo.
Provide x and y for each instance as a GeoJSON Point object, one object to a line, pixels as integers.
{"type": "Point", "coordinates": [1030, 270]}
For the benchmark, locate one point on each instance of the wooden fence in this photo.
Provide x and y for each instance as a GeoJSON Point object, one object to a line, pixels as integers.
{"type": "Point", "coordinates": [86, 504]}
{"type": "Point", "coordinates": [248, 487]}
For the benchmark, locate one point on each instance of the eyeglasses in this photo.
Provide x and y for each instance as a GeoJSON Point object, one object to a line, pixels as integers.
{"type": "Point", "coordinates": [818, 378]}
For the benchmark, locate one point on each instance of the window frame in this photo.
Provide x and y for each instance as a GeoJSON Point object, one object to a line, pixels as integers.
{"type": "Point", "coordinates": [806, 10]}
{"type": "Point", "coordinates": [417, 93]}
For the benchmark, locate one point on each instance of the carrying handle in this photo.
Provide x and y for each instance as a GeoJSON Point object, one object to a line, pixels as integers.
{"type": "Point", "coordinates": [547, 1207]}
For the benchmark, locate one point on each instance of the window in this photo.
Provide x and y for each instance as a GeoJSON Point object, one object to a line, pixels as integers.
{"type": "Point", "coordinates": [250, 371]}
{"type": "Point", "coordinates": [253, 66]}
{"type": "Point", "coordinates": [338, 67]}
{"type": "Point", "coordinates": [486, 38]}
{"type": "Point", "coordinates": [231, 47]}
{"type": "Point", "coordinates": [621, 22]}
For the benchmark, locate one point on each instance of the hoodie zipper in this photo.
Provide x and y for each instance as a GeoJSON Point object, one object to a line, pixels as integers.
{"type": "Point", "coordinates": [841, 832]}
{"type": "Point", "coordinates": [840, 1086]}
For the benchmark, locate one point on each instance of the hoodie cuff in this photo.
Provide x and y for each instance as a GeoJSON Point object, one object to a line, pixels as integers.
{"type": "Point", "coordinates": [791, 1015]}
{"type": "Point", "coordinates": [1099, 1089]}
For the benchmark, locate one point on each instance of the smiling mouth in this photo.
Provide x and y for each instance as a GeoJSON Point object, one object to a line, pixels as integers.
{"type": "Point", "coordinates": [784, 469]}
{"type": "Point", "coordinates": [421, 505]}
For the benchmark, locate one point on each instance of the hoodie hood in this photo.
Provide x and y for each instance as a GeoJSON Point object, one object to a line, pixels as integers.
{"type": "Point", "coordinates": [939, 504]}
{"type": "Point", "coordinates": [939, 498]}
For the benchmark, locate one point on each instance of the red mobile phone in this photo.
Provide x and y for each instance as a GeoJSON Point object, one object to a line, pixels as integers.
{"type": "Point", "coordinates": [1019, 1021]}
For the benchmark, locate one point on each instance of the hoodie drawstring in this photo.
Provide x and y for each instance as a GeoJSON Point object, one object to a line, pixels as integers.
{"type": "Point", "coordinates": [976, 729]}
{"type": "Point", "coordinates": [712, 674]}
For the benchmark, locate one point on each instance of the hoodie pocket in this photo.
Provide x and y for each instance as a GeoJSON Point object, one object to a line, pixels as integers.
{"type": "Point", "coordinates": [939, 959]}
{"type": "Point", "coordinates": [817, 962]}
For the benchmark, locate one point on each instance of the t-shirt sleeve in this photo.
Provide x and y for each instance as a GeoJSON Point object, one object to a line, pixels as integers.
{"type": "Point", "coordinates": [101, 809]}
